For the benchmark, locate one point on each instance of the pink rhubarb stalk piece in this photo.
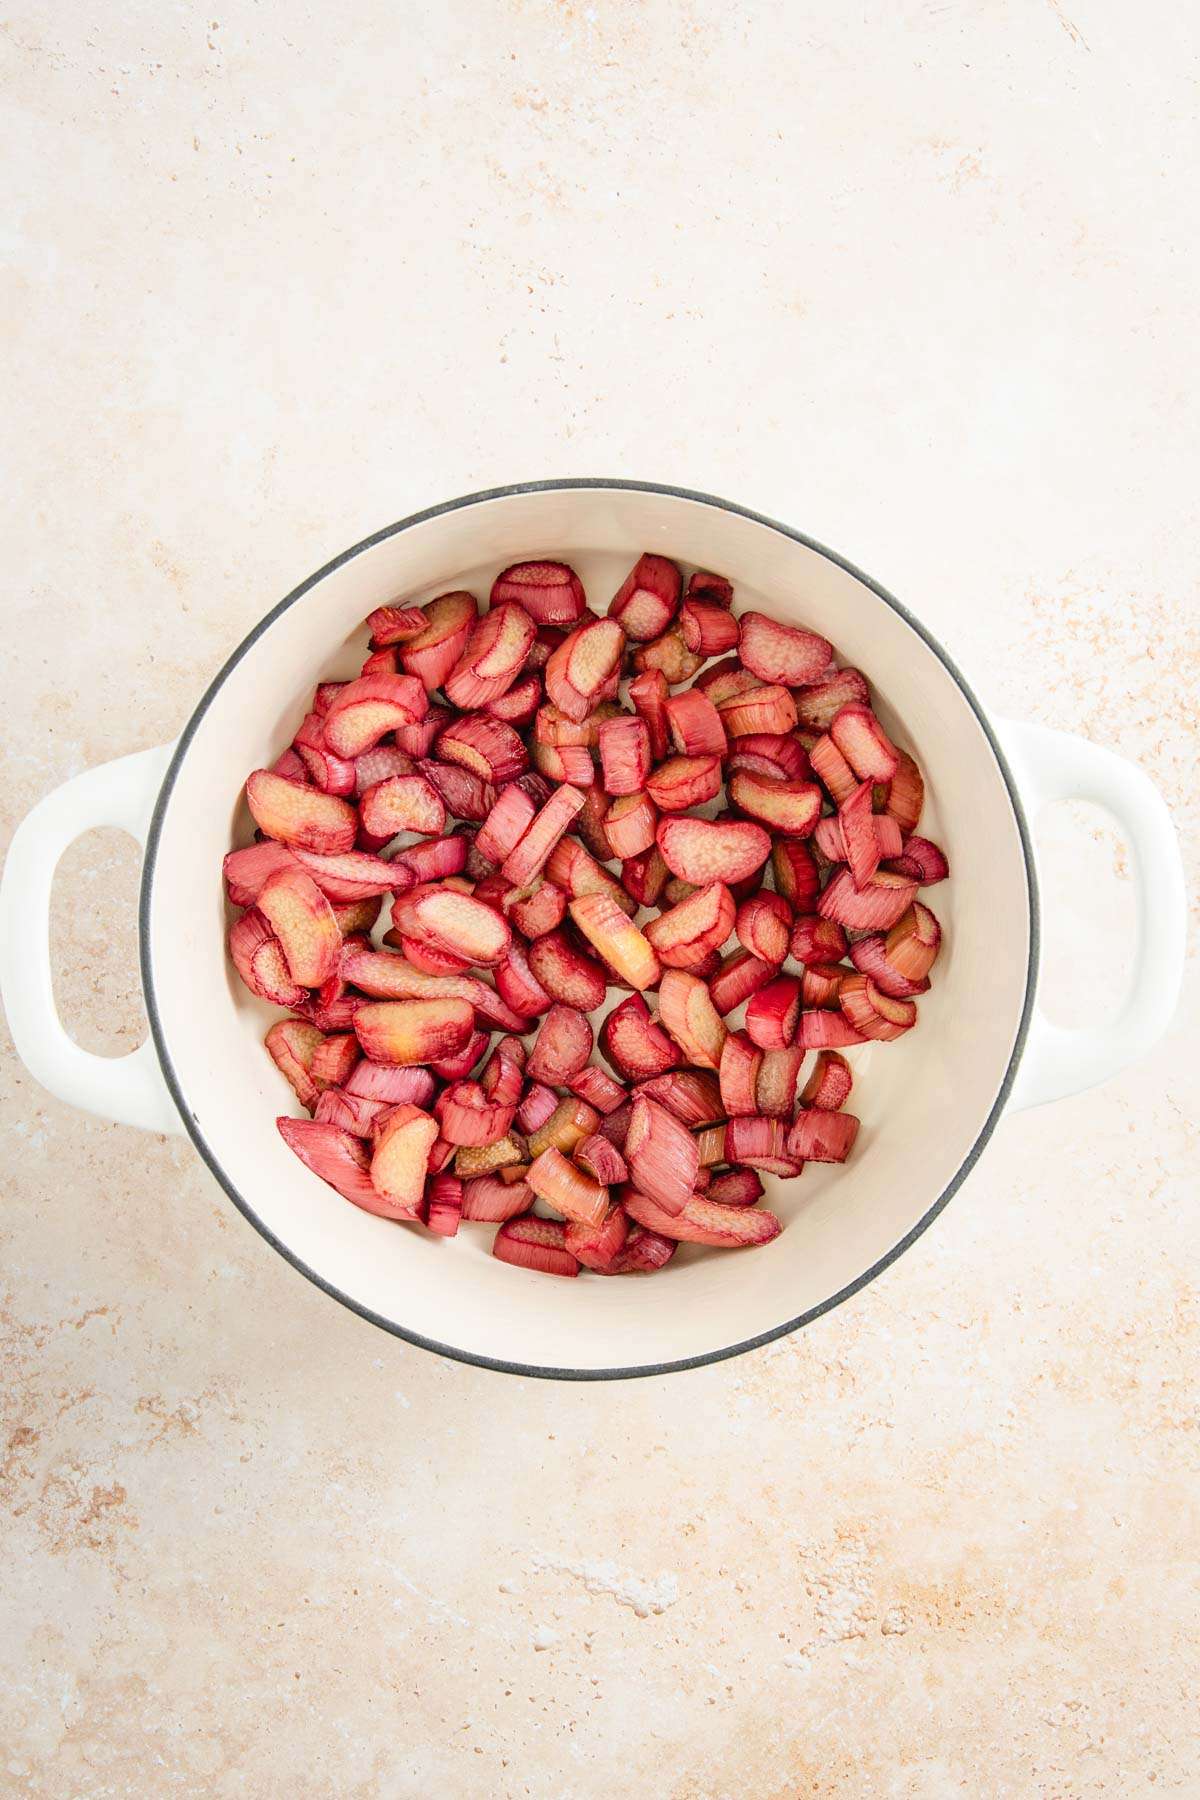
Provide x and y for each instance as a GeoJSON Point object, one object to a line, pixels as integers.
{"type": "Point", "coordinates": [561, 1048]}
{"type": "Point", "coordinates": [335, 1060]}
{"type": "Point", "coordinates": [739, 976]}
{"type": "Point", "coordinates": [913, 943]}
{"type": "Point", "coordinates": [292, 1044]}
{"type": "Point", "coordinates": [395, 625]}
{"type": "Point", "coordinates": [566, 973]}
{"type": "Point", "coordinates": [634, 1043]}
{"type": "Point", "coordinates": [872, 1012]}
{"type": "Point", "coordinates": [486, 746]}
{"type": "Point", "coordinates": [741, 1061]}
{"type": "Point", "coordinates": [759, 709]}
{"type": "Point", "coordinates": [550, 592]}
{"type": "Point", "coordinates": [684, 781]}
{"type": "Point", "coordinates": [542, 911]}
{"type": "Point", "coordinates": [432, 861]}
{"type": "Point", "coordinates": [555, 1179]}
{"type": "Point", "coordinates": [489, 1200]}
{"type": "Point", "coordinates": [906, 793]}
{"type": "Point", "coordinates": [647, 599]}
{"type": "Point", "coordinates": [869, 956]}
{"type": "Point", "coordinates": [795, 874]}
{"type": "Point", "coordinates": [434, 652]}
{"type": "Point", "coordinates": [532, 1243]}
{"type": "Point", "coordinates": [648, 696]}
{"type": "Point", "coordinates": [695, 724]}
{"type": "Point", "coordinates": [817, 940]}
{"type": "Point", "coordinates": [773, 1012]}
{"type": "Point", "coordinates": [601, 1160]}
{"type": "Point", "coordinates": [818, 702]}
{"type": "Point", "coordinates": [457, 923]}
{"type": "Point", "coordinates": [465, 1115]}
{"type": "Point", "coordinates": [736, 1187]}
{"type": "Point", "coordinates": [366, 709]}
{"type": "Point", "coordinates": [828, 1087]}
{"type": "Point", "coordinates": [598, 1246]}
{"type": "Point", "coordinates": [248, 871]}
{"type": "Point", "coordinates": [876, 907]}
{"type": "Point", "coordinates": [402, 803]}
{"type": "Point", "coordinates": [792, 807]}
{"type": "Point", "coordinates": [301, 818]}
{"type": "Point", "coordinates": [630, 824]}
{"type": "Point", "coordinates": [688, 1014]}
{"type": "Point", "coordinates": [857, 823]}
{"type": "Point", "coordinates": [413, 1031]}
{"type": "Point", "coordinates": [624, 755]}
{"type": "Point", "coordinates": [692, 1095]}
{"type": "Point", "coordinates": [340, 1159]}
{"type": "Point", "coordinates": [683, 936]}
{"type": "Point", "coordinates": [505, 825]}
{"type": "Point", "coordinates": [494, 657]}
{"type": "Point", "coordinates": [832, 770]}
{"type": "Point", "coordinates": [444, 1196]}
{"type": "Point", "coordinates": [401, 1158]}
{"type": "Point", "coordinates": [332, 774]}
{"type": "Point", "coordinates": [662, 1155]}
{"type": "Point", "coordinates": [707, 627]}
{"type": "Point", "coordinates": [760, 1143]}
{"type": "Point", "coordinates": [763, 926]}
{"type": "Point", "coordinates": [396, 1086]}
{"type": "Point", "coordinates": [617, 939]}
{"type": "Point", "coordinates": [776, 754]}
{"type": "Point", "coordinates": [781, 653]}
{"type": "Point", "coordinates": [704, 1221]}
{"type": "Point", "coordinates": [777, 1078]}
{"type": "Point", "coordinates": [529, 856]}
{"type": "Point", "coordinates": [584, 666]}
{"type": "Point", "coordinates": [864, 743]}
{"type": "Point", "coordinates": [703, 850]}
{"type": "Point", "coordinates": [822, 1136]}
{"type": "Point", "coordinates": [258, 957]}
{"type": "Point", "coordinates": [353, 875]}
{"type": "Point", "coordinates": [822, 1030]}
{"type": "Point", "coordinates": [645, 1253]}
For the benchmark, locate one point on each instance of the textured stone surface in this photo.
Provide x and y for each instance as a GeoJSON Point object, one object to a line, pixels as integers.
{"type": "Point", "coordinates": [920, 280]}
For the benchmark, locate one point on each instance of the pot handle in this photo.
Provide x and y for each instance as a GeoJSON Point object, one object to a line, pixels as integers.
{"type": "Point", "coordinates": [128, 1089]}
{"type": "Point", "coordinates": [1055, 765]}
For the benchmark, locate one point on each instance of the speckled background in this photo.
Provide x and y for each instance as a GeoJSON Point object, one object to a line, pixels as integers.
{"type": "Point", "coordinates": [919, 279]}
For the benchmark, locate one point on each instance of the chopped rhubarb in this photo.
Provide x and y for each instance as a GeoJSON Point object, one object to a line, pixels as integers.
{"type": "Point", "coordinates": [781, 653]}
{"type": "Point", "coordinates": [301, 818]}
{"type": "Point", "coordinates": [401, 1159]}
{"type": "Point", "coordinates": [776, 754]}
{"type": "Point", "coordinates": [872, 1012]}
{"type": "Point", "coordinates": [598, 1089]}
{"type": "Point", "coordinates": [413, 1031]}
{"type": "Point", "coordinates": [583, 665]}
{"type": "Point", "coordinates": [402, 803]}
{"type": "Point", "coordinates": [795, 874]}
{"type": "Point", "coordinates": [688, 1014]}
{"type": "Point", "coordinates": [566, 973]}
{"type": "Point", "coordinates": [248, 871]}
{"type": "Point", "coordinates": [597, 1246]}
{"type": "Point", "coordinates": [396, 1086]}
{"type": "Point", "coordinates": [695, 724]}
{"type": "Point", "coordinates": [683, 936]}
{"type": "Point", "coordinates": [366, 709]}
{"type": "Point", "coordinates": [602, 1160]}
{"type": "Point", "coordinates": [857, 822]}
{"type": "Point", "coordinates": [906, 793]}
{"type": "Point", "coordinates": [863, 742]}
{"type": "Point", "coordinates": [550, 592]}
{"type": "Point", "coordinates": [869, 956]}
{"type": "Point", "coordinates": [541, 911]}
{"type": "Point", "coordinates": [704, 1221]}
{"type": "Point", "coordinates": [777, 1080]}
{"type": "Point", "coordinates": [335, 1061]}
{"type": "Point", "coordinates": [740, 1063]}
{"type": "Point", "coordinates": [818, 702]}
{"type": "Point", "coordinates": [634, 1043]}
{"type": "Point", "coordinates": [772, 1013]}
{"type": "Point", "coordinates": [684, 781]}
{"type": "Point", "coordinates": [829, 1085]}
{"type": "Point", "coordinates": [486, 1199]}
{"type": "Point", "coordinates": [444, 1195]}
{"type": "Point", "coordinates": [647, 599]}
{"type": "Point", "coordinates": [703, 850]}
{"type": "Point", "coordinates": [624, 755]}
{"type": "Point", "coordinates": [769, 709]}
{"type": "Point", "coordinates": [707, 627]}
{"type": "Point", "coordinates": [555, 1179]}
{"type": "Point", "coordinates": [822, 1136]}
{"type": "Point", "coordinates": [630, 824]}
{"type": "Point", "coordinates": [562, 1046]}
{"type": "Point", "coordinates": [648, 695]}
{"type": "Point", "coordinates": [739, 976]}
{"type": "Point", "coordinates": [292, 1044]}
{"type": "Point", "coordinates": [693, 1095]}
{"type": "Point", "coordinates": [258, 957]}
{"type": "Point", "coordinates": [736, 1187]}
{"type": "Point", "coordinates": [342, 1160]}
{"type": "Point", "coordinates": [538, 1244]}
{"type": "Point", "coordinates": [913, 943]}
{"type": "Point", "coordinates": [760, 1143]}
{"type": "Point", "coordinates": [792, 807]}
{"type": "Point", "coordinates": [529, 856]}
{"type": "Point", "coordinates": [617, 939]}
{"type": "Point", "coordinates": [661, 1154]}
{"type": "Point", "coordinates": [505, 825]}
{"type": "Point", "coordinates": [670, 656]}
{"type": "Point", "coordinates": [494, 657]}
{"type": "Point", "coordinates": [763, 926]}
{"type": "Point", "coordinates": [876, 907]}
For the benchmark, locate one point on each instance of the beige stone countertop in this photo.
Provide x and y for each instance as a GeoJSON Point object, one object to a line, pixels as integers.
{"type": "Point", "coordinates": [920, 280]}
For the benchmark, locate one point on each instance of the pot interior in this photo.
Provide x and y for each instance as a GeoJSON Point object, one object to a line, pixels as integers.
{"type": "Point", "coordinates": [924, 1101]}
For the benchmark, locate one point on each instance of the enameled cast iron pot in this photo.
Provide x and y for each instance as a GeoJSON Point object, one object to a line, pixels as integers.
{"type": "Point", "coordinates": [928, 1103]}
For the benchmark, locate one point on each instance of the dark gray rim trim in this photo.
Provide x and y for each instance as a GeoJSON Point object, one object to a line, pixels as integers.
{"type": "Point", "coordinates": [243, 1206]}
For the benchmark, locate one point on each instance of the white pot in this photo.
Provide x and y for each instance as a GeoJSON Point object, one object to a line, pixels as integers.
{"type": "Point", "coordinates": [928, 1103]}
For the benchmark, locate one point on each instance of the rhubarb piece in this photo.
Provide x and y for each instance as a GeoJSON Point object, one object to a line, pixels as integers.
{"type": "Point", "coordinates": [301, 818]}
{"type": "Point", "coordinates": [823, 1030]}
{"type": "Point", "coordinates": [707, 586]}
{"type": "Point", "coordinates": [821, 984]}
{"type": "Point", "coordinates": [661, 1154]}
{"type": "Point", "coordinates": [332, 774]}
{"type": "Point", "coordinates": [832, 770]}
{"type": "Point", "coordinates": [864, 743]}
{"type": "Point", "coordinates": [630, 824]}
{"type": "Point", "coordinates": [615, 1125]}
{"type": "Point", "coordinates": [387, 977]}
{"type": "Point", "coordinates": [413, 1031]}
{"type": "Point", "coordinates": [426, 956]}
{"type": "Point", "coordinates": [598, 1090]}
{"type": "Point", "coordinates": [553, 727]}
{"type": "Point", "coordinates": [434, 860]}
{"type": "Point", "coordinates": [572, 868]}
{"type": "Point", "coordinates": [648, 695]}
{"type": "Point", "coordinates": [923, 861]}
{"type": "Point", "coordinates": [350, 1112]}
{"type": "Point", "coordinates": [561, 1048]}
{"type": "Point", "coordinates": [777, 1078]}
{"type": "Point", "coordinates": [519, 985]}
{"type": "Point", "coordinates": [417, 740]}
{"type": "Point", "coordinates": [503, 1079]}
{"type": "Point", "coordinates": [583, 665]}
{"type": "Point", "coordinates": [487, 747]}
{"type": "Point", "coordinates": [822, 1136]}
{"type": "Point", "coordinates": [739, 976]}
{"type": "Point", "coordinates": [486, 1199]}
{"type": "Point", "coordinates": [550, 592]}
{"type": "Point", "coordinates": [463, 792]}
{"type": "Point", "coordinates": [624, 755]}
{"type": "Point", "coordinates": [335, 1060]}
{"type": "Point", "coordinates": [872, 1012]}
{"type": "Point", "coordinates": [769, 709]}
{"type": "Point", "coordinates": [465, 1115]}
{"type": "Point", "coordinates": [457, 923]}
{"type": "Point", "coordinates": [781, 653]}
{"type": "Point", "coordinates": [570, 1122]}
{"type": "Point", "coordinates": [684, 936]}
{"type": "Point", "coordinates": [707, 627]}
{"type": "Point", "coordinates": [258, 957]}
{"type": "Point", "coordinates": [736, 1187]}
{"type": "Point", "coordinates": [644, 877]}
{"type": "Point", "coordinates": [377, 764]}
{"type": "Point", "coordinates": [703, 850]}
{"type": "Point", "coordinates": [741, 1061]}
{"type": "Point", "coordinates": [401, 1159]}
{"type": "Point", "coordinates": [289, 766]}
{"type": "Point", "coordinates": [528, 858]}
{"type": "Point", "coordinates": [710, 1145]}
{"type": "Point", "coordinates": [602, 1160]}
{"type": "Point", "coordinates": [906, 793]}
{"type": "Point", "coordinates": [725, 679]}
{"type": "Point", "coordinates": [792, 807]}
{"type": "Point", "coordinates": [759, 1143]}
{"type": "Point", "coordinates": [772, 1013]}
{"type": "Point", "coordinates": [876, 907]}
{"type": "Point", "coordinates": [248, 871]}
{"type": "Point", "coordinates": [857, 823]}
{"type": "Point", "coordinates": [395, 625]}
{"type": "Point", "coordinates": [566, 973]}
{"type": "Point", "coordinates": [541, 911]}
{"type": "Point", "coordinates": [704, 1221]}
{"type": "Point", "coordinates": [913, 943]}
{"type": "Point", "coordinates": [571, 764]}
{"type": "Point", "coordinates": [684, 781]}
{"type": "Point", "coordinates": [339, 1159]}
{"type": "Point", "coordinates": [688, 1014]}
{"type": "Point", "coordinates": [536, 1107]}
{"type": "Point", "coordinates": [818, 702]}
{"type": "Point", "coordinates": [494, 657]}
{"type": "Point", "coordinates": [519, 705]}
{"type": "Point", "coordinates": [505, 825]}
{"type": "Point", "coordinates": [695, 724]}
{"type": "Point", "coordinates": [532, 1243]}
{"type": "Point", "coordinates": [634, 1043]}
{"type": "Point", "coordinates": [548, 638]}
{"type": "Point", "coordinates": [402, 803]}
{"type": "Point", "coordinates": [366, 709]}
{"type": "Point", "coordinates": [617, 939]}
{"type": "Point", "coordinates": [292, 1044]}
{"type": "Point", "coordinates": [645, 1252]}
{"type": "Point", "coordinates": [795, 874]}
{"type": "Point", "coordinates": [598, 1246]}
{"type": "Point", "coordinates": [828, 1087]}
{"type": "Point", "coordinates": [383, 1081]}
{"type": "Point", "coordinates": [647, 599]}
{"type": "Point", "coordinates": [380, 662]}
{"type": "Point", "coordinates": [763, 926]}
{"type": "Point", "coordinates": [670, 656]}
{"type": "Point", "coordinates": [817, 940]}
{"type": "Point", "coordinates": [444, 1194]}
{"type": "Point", "coordinates": [459, 1066]}
{"type": "Point", "coordinates": [352, 875]}
{"type": "Point", "coordinates": [692, 1095]}
{"type": "Point", "coordinates": [779, 755]}
{"type": "Point", "coordinates": [567, 1189]}
{"type": "Point", "coordinates": [869, 956]}
{"type": "Point", "coordinates": [488, 1159]}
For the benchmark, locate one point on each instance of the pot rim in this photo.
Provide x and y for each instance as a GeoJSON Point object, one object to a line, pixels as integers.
{"type": "Point", "coordinates": [209, 1156]}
